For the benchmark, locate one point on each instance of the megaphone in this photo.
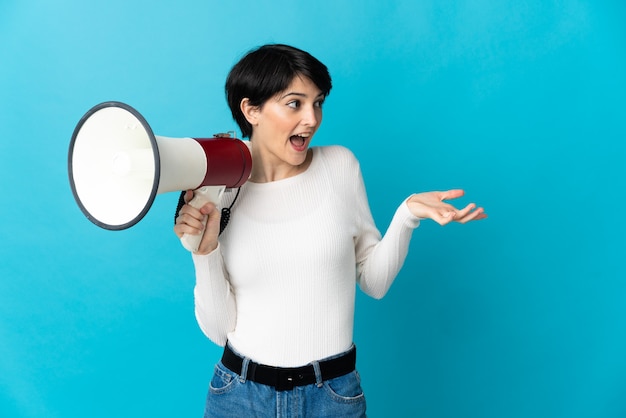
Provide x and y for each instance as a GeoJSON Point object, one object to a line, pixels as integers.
{"type": "Point", "coordinates": [117, 166]}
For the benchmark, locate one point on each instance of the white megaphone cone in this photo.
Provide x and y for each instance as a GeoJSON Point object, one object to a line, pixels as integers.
{"type": "Point", "coordinates": [117, 166]}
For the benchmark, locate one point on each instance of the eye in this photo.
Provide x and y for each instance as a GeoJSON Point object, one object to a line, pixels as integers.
{"type": "Point", "coordinates": [294, 104]}
{"type": "Point", "coordinates": [319, 103]}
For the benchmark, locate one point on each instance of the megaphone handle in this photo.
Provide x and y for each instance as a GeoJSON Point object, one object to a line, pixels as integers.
{"type": "Point", "coordinates": [201, 197]}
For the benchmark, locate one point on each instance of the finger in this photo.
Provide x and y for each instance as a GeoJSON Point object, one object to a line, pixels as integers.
{"type": "Point", "coordinates": [481, 215]}
{"type": "Point", "coordinates": [442, 217]}
{"type": "Point", "coordinates": [188, 196]}
{"type": "Point", "coordinates": [191, 217]}
{"type": "Point", "coordinates": [189, 225]}
{"type": "Point", "coordinates": [460, 214]}
{"type": "Point", "coordinates": [475, 215]}
{"type": "Point", "coordinates": [182, 228]}
{"type": "Point", "coordinates": [451, 194]}
{"type": "Point", "coordinates": [190, 212]}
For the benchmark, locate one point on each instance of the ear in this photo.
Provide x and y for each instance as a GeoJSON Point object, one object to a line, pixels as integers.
{"type": "Point", "coordinates": [250, 112]}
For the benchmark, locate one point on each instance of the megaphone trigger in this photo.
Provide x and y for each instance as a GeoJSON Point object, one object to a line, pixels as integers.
{"type": "Point", "coordinates": [201, 197]}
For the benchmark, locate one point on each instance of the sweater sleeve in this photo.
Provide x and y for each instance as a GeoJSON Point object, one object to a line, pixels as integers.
{"type": "Point", "coordinates": [379, 260]}
{"type": "Point", "coordinates": [215, 305]}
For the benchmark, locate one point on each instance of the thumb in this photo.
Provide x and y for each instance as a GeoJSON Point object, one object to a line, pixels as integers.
{"type": "Point", "coordinates": [451, 194]}
{"type": "Point", "coordinates": [208, 208]}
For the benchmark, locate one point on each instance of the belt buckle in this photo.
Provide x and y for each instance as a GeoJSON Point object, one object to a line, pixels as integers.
{"type": "Point", "coordinates": [286, 380]}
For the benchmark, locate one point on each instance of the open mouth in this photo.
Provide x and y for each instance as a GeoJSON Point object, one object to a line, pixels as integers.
{"type": "Point", "coordinates": [297, 141]}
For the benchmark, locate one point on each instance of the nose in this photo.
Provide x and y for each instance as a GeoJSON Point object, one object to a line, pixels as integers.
{"type": "Point", "coordinates": [311, 116]}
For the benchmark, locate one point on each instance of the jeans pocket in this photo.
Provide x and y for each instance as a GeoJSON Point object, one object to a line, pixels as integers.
{"type": "Point", "coordinates": [223, 380]}
{"type": "Point", "coordinates": [346, 388]}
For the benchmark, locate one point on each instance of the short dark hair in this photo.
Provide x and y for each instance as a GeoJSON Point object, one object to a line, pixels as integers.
{"type": "Point", "coordinates": [266, 71]}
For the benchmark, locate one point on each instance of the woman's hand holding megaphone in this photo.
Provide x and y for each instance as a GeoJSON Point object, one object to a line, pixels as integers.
{"type": "Point", "coordinates": [192, 220]}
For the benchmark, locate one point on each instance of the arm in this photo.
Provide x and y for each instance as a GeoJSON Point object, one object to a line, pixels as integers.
{"type": "Point", "coordinates": [215, 306]}
{"type": "Point", "coordinates": [380, 260]}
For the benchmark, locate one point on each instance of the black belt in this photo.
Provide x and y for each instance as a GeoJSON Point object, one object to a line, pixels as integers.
{"type": "Point", "coordinates": [285, 378]}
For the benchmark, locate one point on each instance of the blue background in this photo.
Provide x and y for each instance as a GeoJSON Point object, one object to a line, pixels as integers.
{"type": "Point", "coordinates": [521, 103]}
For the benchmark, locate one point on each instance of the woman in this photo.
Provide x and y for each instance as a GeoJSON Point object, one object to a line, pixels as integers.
{"type": "Point", "coordinates": [277, 287]}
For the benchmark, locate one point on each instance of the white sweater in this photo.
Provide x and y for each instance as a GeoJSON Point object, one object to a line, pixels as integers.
{"type": "Point", "coordinates": [280, 287]}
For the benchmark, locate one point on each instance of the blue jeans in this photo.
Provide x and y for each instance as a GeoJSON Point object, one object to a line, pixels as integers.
{"type": "Point", "coordinates": [231, 395]}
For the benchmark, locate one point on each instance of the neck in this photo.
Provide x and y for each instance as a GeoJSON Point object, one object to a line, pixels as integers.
{"type": "Point", "coordinates": [264, 171]}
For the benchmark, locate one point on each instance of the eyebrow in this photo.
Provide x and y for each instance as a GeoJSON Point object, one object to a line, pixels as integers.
{"type": "Point", "coordinates": [294, 93]}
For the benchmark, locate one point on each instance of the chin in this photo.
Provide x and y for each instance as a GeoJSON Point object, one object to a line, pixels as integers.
{"type": "Point", "coordinates": [299, 159]}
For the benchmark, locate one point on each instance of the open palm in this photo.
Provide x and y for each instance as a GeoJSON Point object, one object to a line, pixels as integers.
{"type": "Point", "coordinates": [432, 205]}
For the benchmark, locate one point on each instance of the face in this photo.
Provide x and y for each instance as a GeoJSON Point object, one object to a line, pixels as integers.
{"type": "Point", "coordinates": [282, 129]}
